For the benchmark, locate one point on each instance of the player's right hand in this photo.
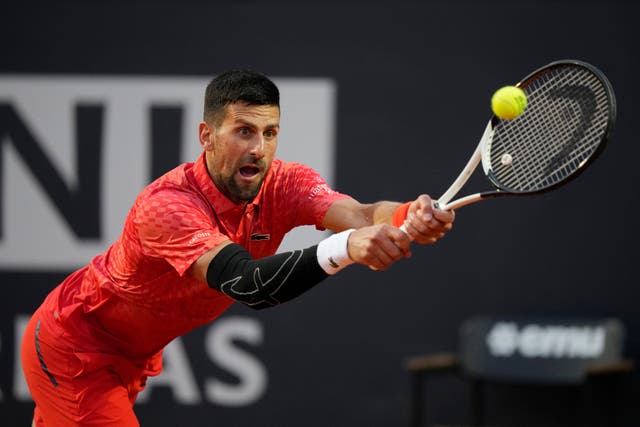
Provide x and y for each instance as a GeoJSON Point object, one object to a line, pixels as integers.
{"type": "Point", "coordinates": [426, 224]}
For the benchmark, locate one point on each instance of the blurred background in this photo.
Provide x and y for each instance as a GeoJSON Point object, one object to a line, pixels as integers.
{"type": "Point", "coordinates": [386, 98]}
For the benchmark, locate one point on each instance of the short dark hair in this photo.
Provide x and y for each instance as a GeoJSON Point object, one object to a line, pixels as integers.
{"type": "Point", "coordinates": [233, 86]}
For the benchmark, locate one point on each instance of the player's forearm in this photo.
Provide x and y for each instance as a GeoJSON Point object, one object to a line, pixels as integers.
{"type": "Point", "coordinates": [269, 281]}
{"type": "Point", "coordinates": [383, 212]}
{"type": "Point", "coordinates": [349, 213]}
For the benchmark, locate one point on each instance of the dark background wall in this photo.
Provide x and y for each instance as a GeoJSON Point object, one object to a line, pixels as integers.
{"type": "Point", "coordinates": [414, 80]}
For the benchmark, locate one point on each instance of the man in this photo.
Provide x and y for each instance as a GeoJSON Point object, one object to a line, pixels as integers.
{"type": "Point", "coordinates": [197, 239]}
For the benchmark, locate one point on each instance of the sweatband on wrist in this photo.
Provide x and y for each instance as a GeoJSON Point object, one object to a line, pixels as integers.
{"type": "Point", "coordinates": [400, 214]}
{"type": "Point", "coordinates": [333, 253]}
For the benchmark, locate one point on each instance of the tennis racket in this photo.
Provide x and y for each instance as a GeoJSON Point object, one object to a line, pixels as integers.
{"type": "Point", "coordinates": [568, 120]}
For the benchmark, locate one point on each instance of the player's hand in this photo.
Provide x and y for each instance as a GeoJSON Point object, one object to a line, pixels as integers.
{"type": "Point", "coordinates": [426, 224]}
{"type": "Point", "coordinates": [378, 246]}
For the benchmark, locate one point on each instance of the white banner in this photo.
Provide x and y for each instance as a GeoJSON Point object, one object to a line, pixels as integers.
{"type": "Point", "coordinates": [44, 120]}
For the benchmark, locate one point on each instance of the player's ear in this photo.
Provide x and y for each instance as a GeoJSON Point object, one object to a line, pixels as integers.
{"type": "Point", "coordinates": [206, 135]}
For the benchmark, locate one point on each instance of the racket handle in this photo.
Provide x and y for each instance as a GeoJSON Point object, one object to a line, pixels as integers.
{"type": "Point", "coordinates": [403, 227]}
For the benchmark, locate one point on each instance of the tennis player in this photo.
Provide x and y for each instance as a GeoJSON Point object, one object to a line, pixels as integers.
{"type": "Point", "coordinates": [196, 240]}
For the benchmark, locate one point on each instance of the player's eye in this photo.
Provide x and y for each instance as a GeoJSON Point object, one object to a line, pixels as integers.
{"type": "Point", "coordinates": [244, 131]}
{"type": "Point", "coordinates": [271, 133]}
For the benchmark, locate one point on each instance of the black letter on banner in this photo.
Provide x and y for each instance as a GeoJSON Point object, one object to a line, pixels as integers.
{"type": "Point", "coordinates": [79, 206]}
{"type": "Point", "coordinates": [166, 139]}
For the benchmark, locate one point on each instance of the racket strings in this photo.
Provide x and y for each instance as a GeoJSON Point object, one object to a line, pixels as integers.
{"type": "Point", "coordinates": [543, 166]}
{"type": "Point", "coordinates": [565, 121]}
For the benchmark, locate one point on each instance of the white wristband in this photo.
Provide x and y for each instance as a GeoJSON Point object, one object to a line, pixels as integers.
{"type": "Point", "coordinates": [332, 252]}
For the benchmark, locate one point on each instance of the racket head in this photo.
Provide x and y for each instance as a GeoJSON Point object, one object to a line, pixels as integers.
{"type": "Point", "coordinates": [568, 120]}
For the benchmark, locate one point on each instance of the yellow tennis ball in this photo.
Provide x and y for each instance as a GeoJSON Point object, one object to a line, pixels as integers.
{"type": "Point", "coordinates": [508, 102]}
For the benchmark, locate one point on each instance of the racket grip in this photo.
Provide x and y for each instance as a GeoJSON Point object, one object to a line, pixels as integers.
{"type": "Point", "coordinates": [404, 228]}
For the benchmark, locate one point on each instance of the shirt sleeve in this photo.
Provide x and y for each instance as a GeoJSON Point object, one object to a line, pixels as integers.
{"type": "Point", "coordinates": [313, 193]}
{"type": "Point", "coordinates": [173, 226]}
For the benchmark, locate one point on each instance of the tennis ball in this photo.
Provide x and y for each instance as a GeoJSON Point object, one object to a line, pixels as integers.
{"type": "Point", "coordinates": [508, 102]}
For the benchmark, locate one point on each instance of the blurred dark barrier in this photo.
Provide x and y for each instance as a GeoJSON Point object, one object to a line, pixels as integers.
{"type": "Point", "coordinates": [395, 94]}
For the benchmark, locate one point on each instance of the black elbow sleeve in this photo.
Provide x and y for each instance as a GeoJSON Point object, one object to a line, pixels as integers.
{"type": "Point", "coordinates": [267, 281]}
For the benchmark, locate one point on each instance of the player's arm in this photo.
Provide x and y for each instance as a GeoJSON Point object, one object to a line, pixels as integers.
{"type": "Point", "coordinates": [269, 281]}
{"type": "Point", "coordinates": [424, 223]}
{"type": "Point", "coordinates": [258, 283]}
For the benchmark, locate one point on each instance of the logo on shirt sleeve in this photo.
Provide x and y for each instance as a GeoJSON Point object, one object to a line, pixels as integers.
{"type": "Point", "coordinates": [199, 236]}
{"type": "Point", "coordinates": [320, 188]}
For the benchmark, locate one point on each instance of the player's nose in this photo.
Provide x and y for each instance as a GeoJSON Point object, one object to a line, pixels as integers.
{"type": "Point", "coordinates": [257, 146]}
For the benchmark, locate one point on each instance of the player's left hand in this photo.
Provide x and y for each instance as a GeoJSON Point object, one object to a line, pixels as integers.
{"type": "Point", "coordinates": [426, 224]}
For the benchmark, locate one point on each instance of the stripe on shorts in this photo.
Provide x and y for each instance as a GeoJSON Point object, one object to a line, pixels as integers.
{"type": "Point", "coordinates": [41, 359]}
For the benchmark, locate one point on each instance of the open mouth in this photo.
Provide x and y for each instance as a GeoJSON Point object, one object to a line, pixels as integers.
{"type": "Point", "coordinates": [249, 171]}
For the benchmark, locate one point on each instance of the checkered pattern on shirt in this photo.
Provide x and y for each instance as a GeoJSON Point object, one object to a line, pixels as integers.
{"type": "Point", "coordinates": [139, 290]}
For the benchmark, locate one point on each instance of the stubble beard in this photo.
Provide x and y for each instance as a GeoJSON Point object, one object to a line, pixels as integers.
{"type": "Point", "coordinates": [243, 194]}
{"type": "Point", "coordinates": [235, 192]}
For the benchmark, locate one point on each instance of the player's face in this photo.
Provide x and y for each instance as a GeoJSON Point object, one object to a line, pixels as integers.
{"type": "Point", "coordinates": [240, 150]}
